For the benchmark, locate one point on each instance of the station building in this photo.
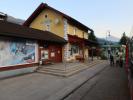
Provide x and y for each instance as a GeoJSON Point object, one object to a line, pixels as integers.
{"type": "Point", "coordinates": [47, 35]}
{"type": "Point", "coordinates": [74, 32]}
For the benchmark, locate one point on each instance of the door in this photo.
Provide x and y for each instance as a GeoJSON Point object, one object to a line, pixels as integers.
{"type": "Point", "coordinates": [56, 53]}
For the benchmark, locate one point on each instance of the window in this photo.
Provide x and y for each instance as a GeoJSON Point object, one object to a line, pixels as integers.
{"type": "Point", "coordinates": [74, 49]}
{"type": "Point", "coordinates": [46, 16]}
{"type": "Point", "coordinates": [44, 54]}
{"type": "Point", "coordinates": [75, 29]}
{"type": "Point", "coordinates": [83, 34]}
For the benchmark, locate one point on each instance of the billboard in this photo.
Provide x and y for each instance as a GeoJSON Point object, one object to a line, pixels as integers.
{"type": "Point", "coordinates": [16, 51]}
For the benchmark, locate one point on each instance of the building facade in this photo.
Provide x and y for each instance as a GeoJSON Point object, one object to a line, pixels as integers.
{"type": "Point", "coordinates": [3, 16]}
{"type": "Point", "coordinates": [74, 32]}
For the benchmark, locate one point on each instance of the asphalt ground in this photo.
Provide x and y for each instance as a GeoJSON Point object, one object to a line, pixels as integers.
{"type": "Point", "coordinates": [39, 86]}
{"type": "Point", "coordinates": [110, 84]}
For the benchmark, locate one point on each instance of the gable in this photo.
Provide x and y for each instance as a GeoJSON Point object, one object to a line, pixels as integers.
{"type": "Point", "coordinates": [44, 6]}
{"type": "Point", "coordinates": [51, 18]}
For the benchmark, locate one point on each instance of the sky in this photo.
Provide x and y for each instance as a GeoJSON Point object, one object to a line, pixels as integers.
{"type": "Point", "coordinates": [102, 16]}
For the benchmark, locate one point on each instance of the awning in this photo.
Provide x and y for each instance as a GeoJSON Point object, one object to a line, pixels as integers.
{"type": "Point", "coordinates": [10, 29]}
{"type": "Point", "coordinates": [77, 40]}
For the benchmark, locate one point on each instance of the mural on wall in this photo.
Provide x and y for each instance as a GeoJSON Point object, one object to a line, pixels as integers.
{"type": "Point", "coordinates": [13, 52]}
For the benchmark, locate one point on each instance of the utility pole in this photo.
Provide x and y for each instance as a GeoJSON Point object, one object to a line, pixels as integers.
{"type": "Point", "coordinates": [107, 48]}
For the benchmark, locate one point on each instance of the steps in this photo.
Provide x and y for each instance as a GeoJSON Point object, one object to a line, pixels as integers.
{"type": "Point", "coordinates": [61, 70]}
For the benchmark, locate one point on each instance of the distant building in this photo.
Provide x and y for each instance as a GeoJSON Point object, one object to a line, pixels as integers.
{"type": "Point", "coordinates": [8, 18]}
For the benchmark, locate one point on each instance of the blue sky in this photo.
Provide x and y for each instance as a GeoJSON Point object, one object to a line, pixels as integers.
{"type": "Point", "coordinates": [100, 15]}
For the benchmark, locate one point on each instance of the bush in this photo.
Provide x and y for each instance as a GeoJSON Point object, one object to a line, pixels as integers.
{"type": "Point", "coordinates": [103, 57]}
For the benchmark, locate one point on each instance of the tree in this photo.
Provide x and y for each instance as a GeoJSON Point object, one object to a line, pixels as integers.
{"type": "Point", "coordinates": [92, 36]}
{"type": "Point", "coordinates": [123, 39]}
{"type": "Point", "coordinates": [105, 43]}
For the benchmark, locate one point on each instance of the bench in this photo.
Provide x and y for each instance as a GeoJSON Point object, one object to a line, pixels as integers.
{"type": "Point", "coordinates": [79, 58]}
{"type": "Point", "coordinates": [46, 61]}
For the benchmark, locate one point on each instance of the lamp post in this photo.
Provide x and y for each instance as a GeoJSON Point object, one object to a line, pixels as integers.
{"type": "Point", "coordinates": [107, 47]}
{"type": "Point", "coordinates": [109, 44]}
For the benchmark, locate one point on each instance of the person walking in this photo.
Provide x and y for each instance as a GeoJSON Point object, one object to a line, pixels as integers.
{"type": "Point", "coordinates": [117, 60]}
{"type": "Point", "coordinates": [111, 60]}
{"type": "Point", "coordinates": [121, 62]}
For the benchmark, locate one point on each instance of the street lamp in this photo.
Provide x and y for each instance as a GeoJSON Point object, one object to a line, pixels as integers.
{"type": "Point", "coordinates": [109, 44]}
{"type": "Point", "coordinates": [107, 48]}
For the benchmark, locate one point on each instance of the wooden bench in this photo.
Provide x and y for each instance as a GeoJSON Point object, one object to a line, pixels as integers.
{"type": "Point", "coordinates": [79, 58]}
{"type": "Point", "coordinates": [46, 61]}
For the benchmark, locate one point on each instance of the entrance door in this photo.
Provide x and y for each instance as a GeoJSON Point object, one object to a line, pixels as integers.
{"type": "Point", "coordinates": [56, 53]}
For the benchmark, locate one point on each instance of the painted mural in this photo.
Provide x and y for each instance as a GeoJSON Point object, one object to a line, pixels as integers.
{"type": "Point", "coordinates": [13, 52]}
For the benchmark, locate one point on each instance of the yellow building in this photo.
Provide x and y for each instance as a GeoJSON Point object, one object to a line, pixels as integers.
{"type": "Point", "coordinates": [47, 18]}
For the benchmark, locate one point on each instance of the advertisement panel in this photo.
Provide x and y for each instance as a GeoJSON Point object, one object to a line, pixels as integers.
{"type": "Point", "coordinates": [16, 51]}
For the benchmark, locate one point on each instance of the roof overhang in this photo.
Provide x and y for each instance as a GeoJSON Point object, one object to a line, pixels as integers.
{"type": "Point", "coordinates": [90, 42]}
{"type": "Point", "coordinates": [77, 40]}
{"type": "Point", "coordinates": [14, 30]}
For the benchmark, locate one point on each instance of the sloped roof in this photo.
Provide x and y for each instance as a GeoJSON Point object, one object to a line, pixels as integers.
{"type": "Point", "coordinates": [43, 6]}
{"type": "Point", "coordinates": [11, 29]}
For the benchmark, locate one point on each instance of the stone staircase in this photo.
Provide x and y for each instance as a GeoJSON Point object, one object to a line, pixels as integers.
{"type": "Point", "coordinates": [67, 69]}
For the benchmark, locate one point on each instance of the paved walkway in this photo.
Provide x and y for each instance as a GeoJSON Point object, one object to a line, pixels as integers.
{"type": "Point", "coordinates": [38, 86]}
{"type": "Point", "coordinates": [110, 84]}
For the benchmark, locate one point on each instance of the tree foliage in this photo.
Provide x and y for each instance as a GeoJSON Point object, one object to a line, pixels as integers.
{"type": "Point", "coordinates": [123, 39]}
{"type": "Point", "coordinates": [92, 36]}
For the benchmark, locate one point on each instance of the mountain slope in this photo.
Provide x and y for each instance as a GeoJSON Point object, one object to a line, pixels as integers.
{"type": "Point", "coordinates": [112, 38]}
{"type": "Point", "coordinates": [14, 20]}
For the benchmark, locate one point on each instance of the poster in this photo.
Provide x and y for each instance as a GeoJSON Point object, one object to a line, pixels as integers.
{"type": "Point", "coordinates": [16, 51]}
{"type": "Point", "coordinates": [52, 54]}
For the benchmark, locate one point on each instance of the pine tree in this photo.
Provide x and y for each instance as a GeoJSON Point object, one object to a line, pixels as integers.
{"type": "Point", "coordinates": [92, 36]}
{"type": "Point", "coordinates": [123, 39]}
